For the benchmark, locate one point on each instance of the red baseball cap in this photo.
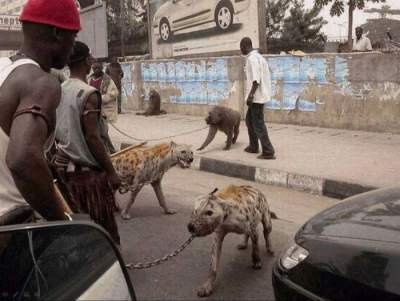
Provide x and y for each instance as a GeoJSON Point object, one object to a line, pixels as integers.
{"type": "Point", "coordinates": [59, 13]}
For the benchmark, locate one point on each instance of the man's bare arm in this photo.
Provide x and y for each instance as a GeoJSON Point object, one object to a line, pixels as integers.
{"type": "Point", "coordinates": [253, 90]}
{"type": "Point", "coordinates": [91, 121]}
{"type": "Point", "coordinates": [25, 155]}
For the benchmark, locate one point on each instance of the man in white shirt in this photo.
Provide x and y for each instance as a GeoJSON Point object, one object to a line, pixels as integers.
{"type": "Point", "coordinates": [258, 92]}
{"type": "Point", "coordinates": [361, 43]}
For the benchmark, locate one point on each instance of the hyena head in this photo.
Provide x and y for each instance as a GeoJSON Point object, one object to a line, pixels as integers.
{"type": "Point", "coordinates": [182, 154]}
{"type": "Point", "coordinates": [207, 215]}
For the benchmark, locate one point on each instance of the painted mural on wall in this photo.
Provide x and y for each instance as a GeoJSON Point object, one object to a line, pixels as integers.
{"type": "Point", "coordinates": [187, 82]}
{"type": "Point", "coordinates": [128, 86]}
{"type": "Point", "coordinates": [207, 81]}
{"type": "Point", "coordinates": [290, 77]}
{"type": "Point", "coordinates": [187, 27]}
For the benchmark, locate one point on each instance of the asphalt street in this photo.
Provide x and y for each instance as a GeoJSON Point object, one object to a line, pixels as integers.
{"type": "Point", "coordinates": [150, 235]}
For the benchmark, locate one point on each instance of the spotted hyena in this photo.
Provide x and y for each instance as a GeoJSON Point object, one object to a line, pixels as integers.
{"type": "Point", "coordinates": [147, 165]}
{"type": "Point", "coordinates": [237, 209]}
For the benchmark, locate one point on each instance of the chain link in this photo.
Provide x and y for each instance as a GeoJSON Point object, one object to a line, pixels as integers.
{"type": "Point", "coordinates": [156, 139]}
{"type": "Point", "coordinates": [141, 266]}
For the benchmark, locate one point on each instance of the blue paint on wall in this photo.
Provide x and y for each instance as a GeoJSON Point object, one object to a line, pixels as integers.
{"type": "Point", "coordinates": [313, 70]}
{"type": "Point", "coordinates": [294, 74]}
{"type": "Point", "coordinates": [207, 81]}
{"type": "Point", "coordinates": [203, 82]}
{"type": "Point", "coordinates": [127, 83]}
{"type": "Point", "coordinates": [291, 95]}
{"type": "Point", "coordinates": [341, 70]}
{"type": "Point", "coordinates": [291, 69]}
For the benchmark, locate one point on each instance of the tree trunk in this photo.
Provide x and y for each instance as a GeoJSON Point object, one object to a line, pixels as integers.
{"type": "Point", "coordinates": [350, 33]}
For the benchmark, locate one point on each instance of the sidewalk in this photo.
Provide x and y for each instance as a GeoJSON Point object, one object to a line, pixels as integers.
{"type": "Point", "coordinates": [331, 162]}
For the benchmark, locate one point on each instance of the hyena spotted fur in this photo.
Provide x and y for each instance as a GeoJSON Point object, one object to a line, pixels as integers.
{"type": "Point", "coordinates": [147, 165]}
{"type": "Point", "coordinates": [236, 209]}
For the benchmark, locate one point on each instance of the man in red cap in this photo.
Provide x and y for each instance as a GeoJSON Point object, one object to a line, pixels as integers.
{"type": "Point", "coordinates": [29, 96]}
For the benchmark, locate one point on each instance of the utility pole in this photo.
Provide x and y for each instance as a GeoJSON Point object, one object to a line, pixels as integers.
{"type": "Point", "coordinates": [122, 26]}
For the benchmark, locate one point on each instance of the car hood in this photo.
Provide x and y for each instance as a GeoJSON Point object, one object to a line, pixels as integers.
{"type": "Point", "coordinates": [373, 215]}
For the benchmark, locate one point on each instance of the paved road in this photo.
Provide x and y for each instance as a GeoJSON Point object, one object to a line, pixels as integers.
{"type": "Point", "coordinates": [151, 234]}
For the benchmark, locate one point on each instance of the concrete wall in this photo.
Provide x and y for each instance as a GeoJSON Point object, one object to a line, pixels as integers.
{"type": "Point", "coordinates": [349, 91]}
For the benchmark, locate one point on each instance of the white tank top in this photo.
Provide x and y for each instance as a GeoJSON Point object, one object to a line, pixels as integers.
{"type": "Point", "coordinates": [10, 197]}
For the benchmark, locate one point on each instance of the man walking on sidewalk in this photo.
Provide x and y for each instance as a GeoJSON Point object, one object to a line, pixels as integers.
{"type": "Point", "coordinates": [258, 92]}
{"type": "Point", "coordinates": [81, 157]}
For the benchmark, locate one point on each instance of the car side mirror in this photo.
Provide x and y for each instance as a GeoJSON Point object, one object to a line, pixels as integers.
{"type": "Point", "coordinates": [61, 261]}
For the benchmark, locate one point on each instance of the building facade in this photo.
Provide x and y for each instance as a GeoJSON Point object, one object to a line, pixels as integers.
{"type": "Point", "coordinates": [11, 7]}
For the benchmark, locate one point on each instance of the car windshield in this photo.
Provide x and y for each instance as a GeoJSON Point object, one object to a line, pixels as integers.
{"type": "Point", "coordinates": [385, 215]}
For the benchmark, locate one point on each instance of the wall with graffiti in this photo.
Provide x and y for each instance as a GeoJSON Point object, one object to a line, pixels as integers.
{"type": "Point", "coordinates": [359, 91]}
{"type": "Point", "coordinates": [292, 75]}
{"type": "Point", "coordinates": [188, 82]}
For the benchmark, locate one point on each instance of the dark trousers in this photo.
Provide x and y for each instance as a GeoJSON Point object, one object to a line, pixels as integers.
{"type": "Point", "coordinates": [119, 101]}
{"type": "Point", "coordinates": [257, 130]}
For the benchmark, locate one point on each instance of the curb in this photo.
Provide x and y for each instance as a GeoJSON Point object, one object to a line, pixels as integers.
{"type": "Point", "coordinates": [326, 187]}
{"type": "Point", "coordinates": [315, 185]}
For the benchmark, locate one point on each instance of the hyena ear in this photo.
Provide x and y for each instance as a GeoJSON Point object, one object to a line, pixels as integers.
{"type": "Point", "coordinates": [214, 191]}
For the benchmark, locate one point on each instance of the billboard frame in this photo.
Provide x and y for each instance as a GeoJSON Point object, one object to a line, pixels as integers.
{"type": "Point", "coordinates": [262, 32]}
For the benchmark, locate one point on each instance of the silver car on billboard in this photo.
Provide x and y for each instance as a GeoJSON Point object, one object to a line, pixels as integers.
{"type": "Point", "coordinates": [193, 15]}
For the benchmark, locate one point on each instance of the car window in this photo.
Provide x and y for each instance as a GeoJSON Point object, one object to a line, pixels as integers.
{"type": "Point", "coordinates": [56, 264]}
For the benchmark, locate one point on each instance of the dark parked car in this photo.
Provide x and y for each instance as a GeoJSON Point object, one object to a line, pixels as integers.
{"type": "Point", "coordinates": [348, 252]}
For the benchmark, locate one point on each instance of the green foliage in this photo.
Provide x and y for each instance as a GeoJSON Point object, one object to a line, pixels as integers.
{"type": "Point", "coordinates": [301, 30]}
{"type": "Point", "coordinates": [338, 6]}
{"type": "Point", "coordinates": [276, 10]}
{"type": "Point", "coordinates": [133, 18]}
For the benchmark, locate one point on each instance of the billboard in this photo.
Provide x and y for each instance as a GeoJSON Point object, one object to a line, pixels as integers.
{"type": "Point", "coordinates": [192, 27]}
{"type": "Point", "coordinates": [10, 22]}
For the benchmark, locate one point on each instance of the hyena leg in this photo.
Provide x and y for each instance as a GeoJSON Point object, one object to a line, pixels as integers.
{"type": "Point", "coordinates": [207, 288]}
{"type": "Point", "coordinates": [256, 251]}
{"type": "Point", "coordinates": [160, 196]}
{"type": "Point", "coordinates": [267, 225]}
{"type": "Point", "coordinates": [125, 212]}
{"type": "Point", "coordinates": [243, 245]}
{"type": "Point", "coordinates": [235, 133]}
{"type": "Point", "coordinates": [229, 138]}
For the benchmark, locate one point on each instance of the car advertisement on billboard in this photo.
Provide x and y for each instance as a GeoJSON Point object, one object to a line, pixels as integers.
{"type": "Point", "coordinates": [189, 27]}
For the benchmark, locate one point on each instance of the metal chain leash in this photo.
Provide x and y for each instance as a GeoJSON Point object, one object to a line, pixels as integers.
{"type": "Point", "coordinates": [157, 139]}
{"type": "Point", "coordinates": [141, 266]}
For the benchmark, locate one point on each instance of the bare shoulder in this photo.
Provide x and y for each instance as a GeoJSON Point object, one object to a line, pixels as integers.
{"type": "Point", "coordinates": [39, 88]}
{"type": "Point", "coordinates": [93, 101]}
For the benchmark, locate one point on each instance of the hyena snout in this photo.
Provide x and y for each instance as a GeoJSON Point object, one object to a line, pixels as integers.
{"type": "Point", "coordinates": [191, 228]}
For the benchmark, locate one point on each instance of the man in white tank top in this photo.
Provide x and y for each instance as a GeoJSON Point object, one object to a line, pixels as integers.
{"type": "Point", "coordinates": [29, 96]}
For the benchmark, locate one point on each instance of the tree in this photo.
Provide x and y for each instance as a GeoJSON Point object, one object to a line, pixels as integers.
{"type": "Point", "coordinates": [302, 29]}
{"type": "Point", "coordinates": [276, 10]}
{"type": "Point", "coordinates": [384, 11]}
{"type": "Point", "coordinates": [127, 27]}
{"type": "Point", "coordinates": [338, 8]}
